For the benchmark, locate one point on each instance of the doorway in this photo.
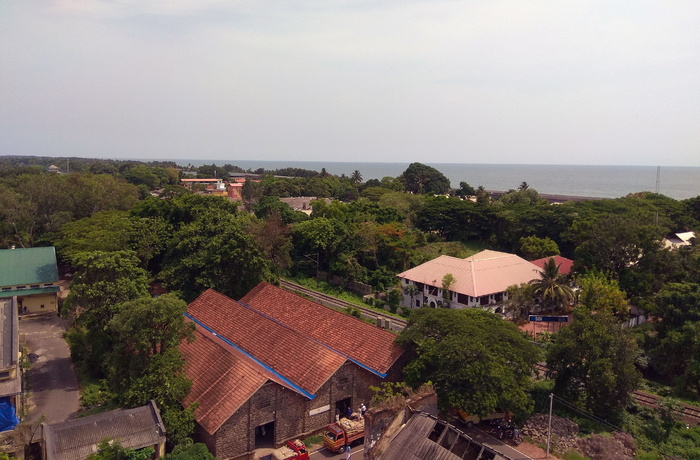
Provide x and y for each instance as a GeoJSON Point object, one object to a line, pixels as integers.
{"type": "Point", "coordinates": [265, 435]}
{"type": "Point", "coordinates": [342, 406]}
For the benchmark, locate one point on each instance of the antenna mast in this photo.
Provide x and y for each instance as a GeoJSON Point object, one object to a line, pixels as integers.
{"type": "Point", "coordinates": [658, 180]}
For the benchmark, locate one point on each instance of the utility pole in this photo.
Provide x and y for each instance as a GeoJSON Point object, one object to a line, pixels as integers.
{"type": "Point", "coordinates": [549, 429]}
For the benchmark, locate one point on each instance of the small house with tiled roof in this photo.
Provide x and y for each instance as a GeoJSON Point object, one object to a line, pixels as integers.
{"type": "Point", "coordinates": [479, 281]}
{"type": "Point", "coordinates": [31, 275]}
{"type": "Point", "coordinates": [565, 265]}
{"type": "Point", "coordinates": [263, 372]}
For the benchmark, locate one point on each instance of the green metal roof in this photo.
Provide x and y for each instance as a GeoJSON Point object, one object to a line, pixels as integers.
{"type": "Point", "coordinates": [22, 292]}
{"type": "Point", "coordinates": [28, 266]}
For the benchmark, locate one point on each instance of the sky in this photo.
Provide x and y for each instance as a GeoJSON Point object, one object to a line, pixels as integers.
{"type": "Point", "coordinates": [495, 82]}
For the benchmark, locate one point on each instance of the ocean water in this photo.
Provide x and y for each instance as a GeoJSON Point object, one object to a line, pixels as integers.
{"type": "Point", "coordinates": [574, 180]}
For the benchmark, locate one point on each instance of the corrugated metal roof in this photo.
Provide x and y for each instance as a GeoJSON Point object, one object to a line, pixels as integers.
{"type": "Point", "coordinates": [28, 266]}
{"type": "Point", "coordinates": [423, 437]}
{"type": "Point", "coordinates": [76, 439]}
{"type": "Point", "coordinates": [487, 272]}
{"type": "Point", "coordinates": [22, 292]}
{"type": "Point", "coordinates": [9, 347]}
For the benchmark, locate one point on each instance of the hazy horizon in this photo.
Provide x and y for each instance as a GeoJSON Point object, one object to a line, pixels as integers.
{"type": "Point", "coordinates": [448, 82]}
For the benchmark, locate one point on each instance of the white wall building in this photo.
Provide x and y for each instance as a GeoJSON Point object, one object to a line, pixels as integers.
{"type": "Point", "coordinates": [479, 281]}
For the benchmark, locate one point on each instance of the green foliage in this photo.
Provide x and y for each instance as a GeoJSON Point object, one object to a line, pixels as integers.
{"type": "Point", "coordinates": [475, 360]}
{"type": "Point", "coordinates": [420, 178]}
{"type": "Point", "coordinates": [601, 294]}
{"type": "Point", "coordinates": [387, 391]}
{"type": "Point", "coordinates": [675, 350]}
{"type": "Point", "coordinates": [105, 279]}
{"type": "Point", "coordinates": [394, 296]}
{"type": "Point", "coordinates": [454, 219]}
{"type": "Point", "coordinates": [112, 450]}
{"type": "Point", "coordinates": [196, 451]}
{"type": "Point", "coordinates": [551, 287]}
{"type": "Point", "coordinates": [143, 328]}
{"type": "Point", "coordinates": [594, 363]}
{"type": "Point", "coordinates": [214, 251]}
{"type": "Point", "coordinates": [520, 302]}
{"type": "Point", "coordinates": [447, 282]}
{"type": "Point", "coordinates": [533, 247]}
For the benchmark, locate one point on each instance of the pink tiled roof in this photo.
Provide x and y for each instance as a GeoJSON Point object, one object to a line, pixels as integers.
{"type": "Point", "coordinates": [364, 343]}
{"type": "Point", "coordinates": [563, 263]}
{"type": "Point", "coordinates": [294, 356]}
{"type": "Point", "coordinates": [223, 378]}
{"type": "Point", "coordinates": [487, 272]}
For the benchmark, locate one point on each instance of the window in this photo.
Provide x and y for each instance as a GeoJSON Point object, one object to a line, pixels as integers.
{"type": "Point", "coordinates": [463, 299]}
{"type": "Point", "coordinates": [417, 303]}
{"type": "Point", "coordinates": [21, 287]}
{"type": "Point", "coordinates": [6, 289]}
{"type": "Point", "coordinates": [406, 281]}
{"type": "Point", "coordinates": [35, 286]}
{"type": "Point", "coordinates": [42, 305]}
{"type": "Point", "coordinates": [4, 375]}
{"type": "Point", "coordinates": [48, 285]}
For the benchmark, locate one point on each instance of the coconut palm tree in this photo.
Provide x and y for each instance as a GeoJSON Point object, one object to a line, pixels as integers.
{"type": "Point", "coordinates": [551, 288]}
{"type": "Point", "coordinates": [356, 177]}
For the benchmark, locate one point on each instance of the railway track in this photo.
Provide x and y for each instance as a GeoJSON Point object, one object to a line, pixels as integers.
{"type": "Point", "coordinates": [386, 321]}
{"type": "Point", "coordinates": [688, 413]}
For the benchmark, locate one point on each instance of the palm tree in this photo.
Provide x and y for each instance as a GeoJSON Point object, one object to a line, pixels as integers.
{"type": "Point", "coordinates": [551, 288]}
{"type": "Point", "coordinates": [356, 177]}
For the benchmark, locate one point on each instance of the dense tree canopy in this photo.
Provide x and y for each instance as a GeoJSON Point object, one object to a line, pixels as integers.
{"type": "Point", "coordinates": [593, 363]}
{"type": "Point", "coordinates": [473, 358]}
{"type": "Point", "coordinates": [214, 251]}
{"type": "Point", "coordinates": [420, 178]}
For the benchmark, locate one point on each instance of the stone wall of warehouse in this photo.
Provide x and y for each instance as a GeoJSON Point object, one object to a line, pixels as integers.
{"type": "Point", "coordinates": [234, 438]}
{"type": "Point", "coordinates": [294, 415]}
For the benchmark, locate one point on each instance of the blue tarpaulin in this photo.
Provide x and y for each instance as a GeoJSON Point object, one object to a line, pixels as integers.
{"type": "Point", "coordinates": [8, 416]}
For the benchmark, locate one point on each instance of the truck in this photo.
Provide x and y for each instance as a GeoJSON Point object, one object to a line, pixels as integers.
{"type": "Point", "coordinates": [294, 450]}
{"type": "Point", "coordinates": [343, 433]}
{"type": "Point", "coordinates": [470, 419]}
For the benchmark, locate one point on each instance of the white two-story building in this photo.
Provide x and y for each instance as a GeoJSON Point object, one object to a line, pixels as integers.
{"type": "Point", "coordinates": [479, 281]}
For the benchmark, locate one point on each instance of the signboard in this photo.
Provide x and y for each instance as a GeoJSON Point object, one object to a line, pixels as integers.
{"type": "Point", "coordinates": [320, 410]}
{"type": "Point", "coordinates": [549, 319]}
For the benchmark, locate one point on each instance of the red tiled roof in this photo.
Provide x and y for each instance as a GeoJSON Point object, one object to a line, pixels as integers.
{"type": "Point", "coordinates": [362, 342]}
{"type": "Point", "coordinates": [563, 263]}
{"type": "Point", "coordinates": [487, 272]}
{"type": "Point", "coordinates": [294, 356]}
{"type": "Point", "coordinates": [223, 378]}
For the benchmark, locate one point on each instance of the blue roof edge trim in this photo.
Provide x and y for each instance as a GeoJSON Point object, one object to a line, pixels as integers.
{"type": "Point", "coordinates": [363, 366]}
{"type": "Point", "coordinates": [265, 366]}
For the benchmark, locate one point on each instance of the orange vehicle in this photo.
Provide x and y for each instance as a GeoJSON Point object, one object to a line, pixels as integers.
{"type": "Point", "coordinates": [294, 450]}
{"type": "Point", "coordinates": [343, 433]}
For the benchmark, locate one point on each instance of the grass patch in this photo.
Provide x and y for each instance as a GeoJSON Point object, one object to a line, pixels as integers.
{"type": "Point", "coordinates": [313, 440]}
{"type": "Point", "coordinates": [451, 248]}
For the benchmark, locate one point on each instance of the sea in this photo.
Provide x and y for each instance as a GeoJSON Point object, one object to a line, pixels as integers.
{"type": "Point", "coordinates": [572, 180]}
